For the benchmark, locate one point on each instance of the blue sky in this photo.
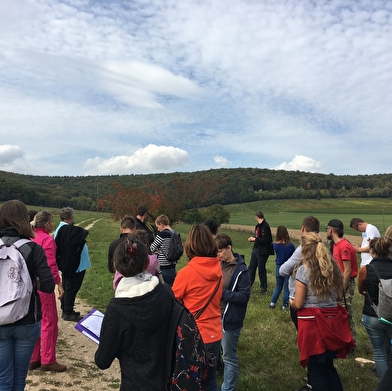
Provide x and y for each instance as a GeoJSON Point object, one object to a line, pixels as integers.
{"type": "Point", "coordinates": [131, 87]}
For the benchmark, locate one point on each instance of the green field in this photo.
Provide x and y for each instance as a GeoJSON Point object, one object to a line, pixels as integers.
{"type": "Point", "coordinates": [291, 212]}
{"type": "Point", "coordinates": [267, 348]}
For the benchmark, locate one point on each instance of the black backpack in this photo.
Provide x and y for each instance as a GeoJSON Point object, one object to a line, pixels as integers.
{"type": "Point", "coordinates": [188, 360]}
{"type": "Point", "coordinates": [70, 240]}
{"type": "Point", "coordinates": [175, 249]}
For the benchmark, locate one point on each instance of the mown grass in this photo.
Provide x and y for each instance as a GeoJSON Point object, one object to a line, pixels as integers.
{"type": "Point", "coordinates": [268, 354]}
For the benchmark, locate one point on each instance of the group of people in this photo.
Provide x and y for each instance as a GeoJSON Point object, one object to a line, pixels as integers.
{"type": "Point", "coordinates": [318, 285]}
{"type": "Point", "coordinates": [30, 342]}
{"type": "Point", "coordinates": [215, 278]}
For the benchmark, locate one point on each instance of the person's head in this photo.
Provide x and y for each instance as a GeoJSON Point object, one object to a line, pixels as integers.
{"type": "Point", "coordinates": [282, 235]}
{"type": "Point", "coordinates": [162, 222]}
{"type": "Point", "coordinates": [212, 225]}
{"type": "Point", "coordinates": [200, 243]}
{"type": "Point", "coordinates": [130, 257]}
{"type": "Point", "coordinates": [67, 215]}
{"type": "Point", "coordinates": [324, 273]}
{"type": "Point", "coordinates": [127, 224]}
{"type": "Point", "coordinates": [14, 213]}
{"type": "Point", "coordinates": [141, 212]}
{"type": "Point", "coordinates": [43, 220]}
{"type": "Point", "coordinates": [380, 247]}
{"type": "Point", "coordinates": [358, 224]}
{"type": "Point", "coordinates": [225, 247]}
{"type": "Point", "coordinates": [311, 224]}
{"type": "Point", "coordinates": [335, 228]}
{"type": "Point", "coordinates": [32, 213]}
{"type": "Point", "coordinates": [388, 232]}
{"type": "Point", "coordinates": [259, 215]}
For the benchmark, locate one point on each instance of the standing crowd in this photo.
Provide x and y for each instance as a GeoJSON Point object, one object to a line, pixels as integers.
{"type": "Point", "coordinates": [318, 284]}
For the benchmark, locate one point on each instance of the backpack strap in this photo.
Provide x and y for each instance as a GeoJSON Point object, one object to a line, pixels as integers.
{"type": "Point", "coordinates": [198, 313]}
{"type": "Point", "coordinates": [375, 270]}
{"type": "Point", "coordinates": [367, 293]}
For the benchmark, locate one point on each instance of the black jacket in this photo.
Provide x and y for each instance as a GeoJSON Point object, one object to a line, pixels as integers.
{"type": "Point", "coordinates": [134, 331]}
{"type": "Point", "coordinates": [384, 268]}
{"type": "Point", "coordinates": [112, 248]}
{"type": "Point", "coordinates": [263, 240]}
{"type": "Point", "coordinates": [37, 265]}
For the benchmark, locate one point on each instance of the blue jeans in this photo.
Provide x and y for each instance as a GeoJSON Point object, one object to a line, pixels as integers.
{"type": "Point", "coordinates": [258, 261]}
{"type": "Point", "coordinates": [16, 346]}
{"type": "Point", "coordinates": [378, 333]}
{"type": "Point", "coordinates": [212, 385]}
{"type": "Point", "coordinates": [230, 359]}
{"type": "Point", "coordinates": [169, 275]}
{"type": "Point", "coordinates": [281, 283]}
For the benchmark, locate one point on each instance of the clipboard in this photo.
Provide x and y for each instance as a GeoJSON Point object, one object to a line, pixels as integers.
{"type": "Point", "coordinates": [91, 324]}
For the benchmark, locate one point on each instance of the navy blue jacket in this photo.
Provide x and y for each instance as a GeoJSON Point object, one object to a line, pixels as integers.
{"type": "Point", "coordinates": [236, 296]}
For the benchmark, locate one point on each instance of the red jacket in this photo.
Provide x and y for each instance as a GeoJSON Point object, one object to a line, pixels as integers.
{"type": "Point", "coordinates": [322, 329]}
{"type": "Point", "coordinates": [193, 286]}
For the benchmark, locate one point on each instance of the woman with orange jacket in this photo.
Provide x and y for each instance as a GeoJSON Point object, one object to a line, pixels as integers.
{"type": "Point", "coordinates": [195, 284]}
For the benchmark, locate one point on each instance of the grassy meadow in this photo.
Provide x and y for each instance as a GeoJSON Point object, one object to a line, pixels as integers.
{"type": "Point", "coordinates": [268, 354]}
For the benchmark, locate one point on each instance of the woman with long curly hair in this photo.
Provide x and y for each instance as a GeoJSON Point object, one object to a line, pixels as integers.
{"type": "Point", "coordinates": [323, 328]}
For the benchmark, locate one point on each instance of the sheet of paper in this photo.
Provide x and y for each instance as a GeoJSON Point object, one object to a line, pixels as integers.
{"type": "Point", "coordinates": [93, 322]}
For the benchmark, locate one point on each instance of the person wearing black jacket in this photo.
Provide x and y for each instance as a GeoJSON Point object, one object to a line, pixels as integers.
{"type": "Point", "coordinates": [17, 340]}
{"type": "Point", "coordinates": [235, 297]}
{"type": "Point", "coordinates": [134, 328]}
{"type": "Point", "coordinates": [378, 332]}
{"type": "Point", "coordinates": [141, 217]}
{"type": "Point", "coordinates": [127, 225]}
{"type": "Point", "coordinates": [262, 249]}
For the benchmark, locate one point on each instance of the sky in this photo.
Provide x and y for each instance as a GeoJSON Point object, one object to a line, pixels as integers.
{"type": "Point", "coordinates": [117, 87]}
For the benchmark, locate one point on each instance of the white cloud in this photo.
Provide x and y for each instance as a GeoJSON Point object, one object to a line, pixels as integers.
{"type": "Point", "coordinates": [221, 161]}
{"type": "Point", "coordinates": [152, 158]}
{"type": "Point", "coordinates": [300, 163]}
{"type": "Point", "coordinates": [10, 153]}
{"type": "Point", "coordinates": [264, 80]}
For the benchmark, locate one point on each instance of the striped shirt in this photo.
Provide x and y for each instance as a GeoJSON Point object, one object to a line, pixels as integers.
{"type": "Point", "coordinates": [160, 245]}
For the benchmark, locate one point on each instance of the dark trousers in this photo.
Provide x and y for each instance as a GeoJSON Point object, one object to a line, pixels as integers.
{"type": "Point", "coordinates": [258, 261]}
{"type": "Point", "coordinates": [322, 374]}
{"type": "Point", "coordinates": [71, 285]}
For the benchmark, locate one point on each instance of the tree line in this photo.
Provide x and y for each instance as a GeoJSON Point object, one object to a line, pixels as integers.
{"type": "Point", "coordinates": [190, 190]}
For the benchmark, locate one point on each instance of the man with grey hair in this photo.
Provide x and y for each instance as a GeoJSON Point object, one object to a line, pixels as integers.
{"type": "Point", "coordinates": [73, 259]}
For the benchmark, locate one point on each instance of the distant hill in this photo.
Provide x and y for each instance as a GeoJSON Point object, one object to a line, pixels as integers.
{"type": "Point", "coordinates": [237, 185]}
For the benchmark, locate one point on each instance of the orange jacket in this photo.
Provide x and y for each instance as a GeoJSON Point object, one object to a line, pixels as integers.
{"type": "Point", "coordinates": [193, 286]}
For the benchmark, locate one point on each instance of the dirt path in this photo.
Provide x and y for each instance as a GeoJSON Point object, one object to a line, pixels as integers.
{"type": "Point", "coordinates": [76, 352]}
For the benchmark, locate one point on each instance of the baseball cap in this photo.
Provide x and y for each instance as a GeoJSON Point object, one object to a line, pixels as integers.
{"type": "Point", "coordinates": [335, 223]}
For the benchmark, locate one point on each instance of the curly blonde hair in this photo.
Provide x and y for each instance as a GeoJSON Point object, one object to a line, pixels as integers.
{"type": "Point", "coordinates": [325, 276]}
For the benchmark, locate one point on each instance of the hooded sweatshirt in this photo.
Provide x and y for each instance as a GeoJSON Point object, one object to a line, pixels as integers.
{"type": "Point", "coordinates": [134, 331]}
{"type": "Point", "coordinates": [193, 286]}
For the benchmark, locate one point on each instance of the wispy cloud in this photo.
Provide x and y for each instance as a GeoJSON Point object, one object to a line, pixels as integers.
{"type": "Point", "coordinates": [297, 85]}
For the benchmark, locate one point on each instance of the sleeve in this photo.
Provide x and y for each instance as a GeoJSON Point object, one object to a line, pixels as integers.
{"type": "Point", "coordinates": [302, 275]}
{"type": "Point", "coordinates": [109, 340]}
{"type": "Point", "coordinates": [49, 246]}
{"type": "Point", "coordinates": [156, 243]}
{"type": "Point", "coordinates": [242, 294]}
{"type": "Point", "coordinates": [287, 268]}
{"type": "Point", "coordinates": [362, 280]}
{"type": "Point", "coordinates": [179, 287]}
{"type": "Point", "coordinates": [41, 269]}
{"type": "Point", "coordinates": [110, 258]}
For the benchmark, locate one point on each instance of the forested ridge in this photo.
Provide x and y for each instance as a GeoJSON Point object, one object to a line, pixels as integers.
{"type": "Point", "coordinates": [232, 185]}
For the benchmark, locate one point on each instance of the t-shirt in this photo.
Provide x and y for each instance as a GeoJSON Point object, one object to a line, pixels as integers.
{"type": "Point", "coordinates": [343, 251]}
{"type": "Point", "coordinates": [370, 233]}
{"type": "Point", "coordinates": [311, 300]}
